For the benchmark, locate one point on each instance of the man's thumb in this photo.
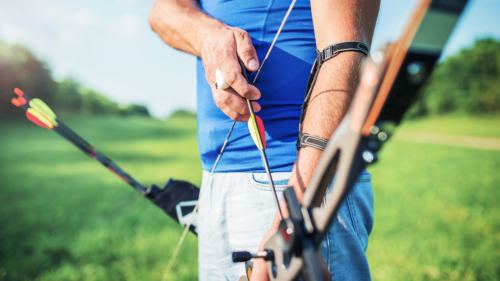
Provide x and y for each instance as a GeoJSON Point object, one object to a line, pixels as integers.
{"type": "Point", "coordinates": [246, 51]}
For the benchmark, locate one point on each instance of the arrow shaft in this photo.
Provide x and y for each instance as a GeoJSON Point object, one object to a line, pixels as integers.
{"type": "Point", "coordinates": [88, 149]}
{"type": "Point", "coordinates": [270, 179]}
{"type": "Point", "coordinates": [260, 143]}
{"type": "Point", "coordinates": [64, 131]}
{"type": "Point", "coordinates": [252, 113]}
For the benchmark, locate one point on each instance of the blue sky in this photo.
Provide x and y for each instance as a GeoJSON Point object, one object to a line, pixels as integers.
{"type": "Point", "coordinates": [109, 47]}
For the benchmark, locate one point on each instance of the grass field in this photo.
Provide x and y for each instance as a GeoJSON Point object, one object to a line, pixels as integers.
{"type": "Point", "coordinates": [64, 217]}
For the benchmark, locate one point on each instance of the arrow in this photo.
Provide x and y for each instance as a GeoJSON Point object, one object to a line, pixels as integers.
{"type": "Point", "coordinates": [42, 115]}
{"type": "Point", "coordinates": [258, 133]}
{"type": "Point", "coordinates": [255, 124]}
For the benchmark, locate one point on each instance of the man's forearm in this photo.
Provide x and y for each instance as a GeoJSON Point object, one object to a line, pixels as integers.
{"type": "Point", "coordinates": [334, 21]}
{"type": "Point", "coordinates": [182, 24]}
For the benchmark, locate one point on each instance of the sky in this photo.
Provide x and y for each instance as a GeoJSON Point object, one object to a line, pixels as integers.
{"type": "Point", "coordinates": [109, 47]}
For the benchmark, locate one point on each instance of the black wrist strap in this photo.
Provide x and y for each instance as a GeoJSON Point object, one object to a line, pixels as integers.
{"type": "Point", "coordinates": [335, 49]}
{"type": "Point", "coordinates": [309, 140]}
{"type": "Point", "coordinates": [322, 56]}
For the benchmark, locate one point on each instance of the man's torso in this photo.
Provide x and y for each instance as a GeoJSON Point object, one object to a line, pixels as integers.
{"type": "Point", "coordinates": [282, 84]}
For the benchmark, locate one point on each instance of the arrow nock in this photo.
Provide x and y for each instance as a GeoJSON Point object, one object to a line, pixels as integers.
{"type": "Point", "coordinates": [20, 100]}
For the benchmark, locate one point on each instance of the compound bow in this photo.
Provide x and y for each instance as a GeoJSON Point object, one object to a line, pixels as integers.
{"type": "Point", "coordinates": [389, 83]}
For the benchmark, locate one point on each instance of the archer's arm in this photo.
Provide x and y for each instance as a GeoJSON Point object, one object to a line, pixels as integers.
{"type": "Point", "coordinates": [184, 26]}
{"type": "Point", "coordinates": [334, 21]}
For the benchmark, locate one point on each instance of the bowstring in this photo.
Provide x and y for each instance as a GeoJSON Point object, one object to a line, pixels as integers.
{"type": "Point", "coordinates": [186, 229]}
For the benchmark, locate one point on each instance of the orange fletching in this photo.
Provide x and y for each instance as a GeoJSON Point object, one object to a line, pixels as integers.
{"type": "Point", "coordinates": [18, 92]}
{"type": "Point", "coordinates": [16, 102]}
{"type": "Point", "coordinates": [22, 100]}
{"type": "Point", "coordinates": [37, 121]}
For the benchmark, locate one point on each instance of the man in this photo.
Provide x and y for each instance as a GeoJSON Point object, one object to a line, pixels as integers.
{"type": "Point", "coordinates": [236, 206]}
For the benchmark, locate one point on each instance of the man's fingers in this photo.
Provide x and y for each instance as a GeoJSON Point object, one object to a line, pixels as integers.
{"type": "Point", "coordinates": [233, 105]}
{"type": "Point", "coordinates": [245, 50]}
{"type": "Point", "coordinates": [259, 270]}
{"type": "Point", "coordinates": [232, 74]}
{"type": "Point", "coordinates": [256, 107]}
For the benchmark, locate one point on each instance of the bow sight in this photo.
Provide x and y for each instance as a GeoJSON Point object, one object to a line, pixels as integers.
{"type": "Point", "coordinates": [389, 83]}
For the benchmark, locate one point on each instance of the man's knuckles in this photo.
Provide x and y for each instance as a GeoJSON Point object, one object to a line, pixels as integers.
{"type": "Point", "coordinates": [240, 34]}
{"type": "Point", "coordinates": [231, 78]}
{"type": "Point", "coordinates": [246, 51]}
{"type": "Point", "coordinates": [221, 99]}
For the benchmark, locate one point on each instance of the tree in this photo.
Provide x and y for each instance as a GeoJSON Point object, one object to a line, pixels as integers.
{"type": "Point", "coordinates": [468, 83]}
{"type": "Point", "coordinates": [20, 68]}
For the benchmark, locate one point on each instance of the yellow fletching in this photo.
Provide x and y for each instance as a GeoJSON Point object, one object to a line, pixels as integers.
{"type": "Point", "coordinates": [255, 126]}
{"type": "Point", "coordinates": [45, 110]}
{"type": "Point", "coordinates": [41, 117]}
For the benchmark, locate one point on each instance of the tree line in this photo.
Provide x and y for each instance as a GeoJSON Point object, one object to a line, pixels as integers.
{"type": "Point", "coordinates": [20, 68]}
{"type": "Point", "coordinates": [467, 83]}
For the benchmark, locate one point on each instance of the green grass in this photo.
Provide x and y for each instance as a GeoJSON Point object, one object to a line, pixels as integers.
{"type": "Point", "coordinates": [457, 125]}
{"type": "Point", "coordinates": [437, 208]}
{"type": "Point", "coordinates": [64, 217]}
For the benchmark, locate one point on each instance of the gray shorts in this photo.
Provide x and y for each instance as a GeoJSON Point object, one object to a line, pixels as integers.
{"type": "Point", "coordinates": [237, 209]}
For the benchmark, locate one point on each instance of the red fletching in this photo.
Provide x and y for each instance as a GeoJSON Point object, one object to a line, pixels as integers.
{"type": "Point", "coordinates": [18, 92]}
{"type": "Point", "coordinates": [36, 121]}
{"type": "Point", "coordinates": [262, 131]}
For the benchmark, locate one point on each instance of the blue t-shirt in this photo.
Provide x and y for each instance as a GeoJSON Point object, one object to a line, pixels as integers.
{"type": "Point", "coordinates": [282, 84]}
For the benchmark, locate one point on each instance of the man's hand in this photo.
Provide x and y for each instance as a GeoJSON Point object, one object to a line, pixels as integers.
{"type": "Point", "coordinates": [184, 26]}
{"type": "Point", "coordinates": [220, 49]}
{"type": "Point", "coordinates": [259, 269]}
